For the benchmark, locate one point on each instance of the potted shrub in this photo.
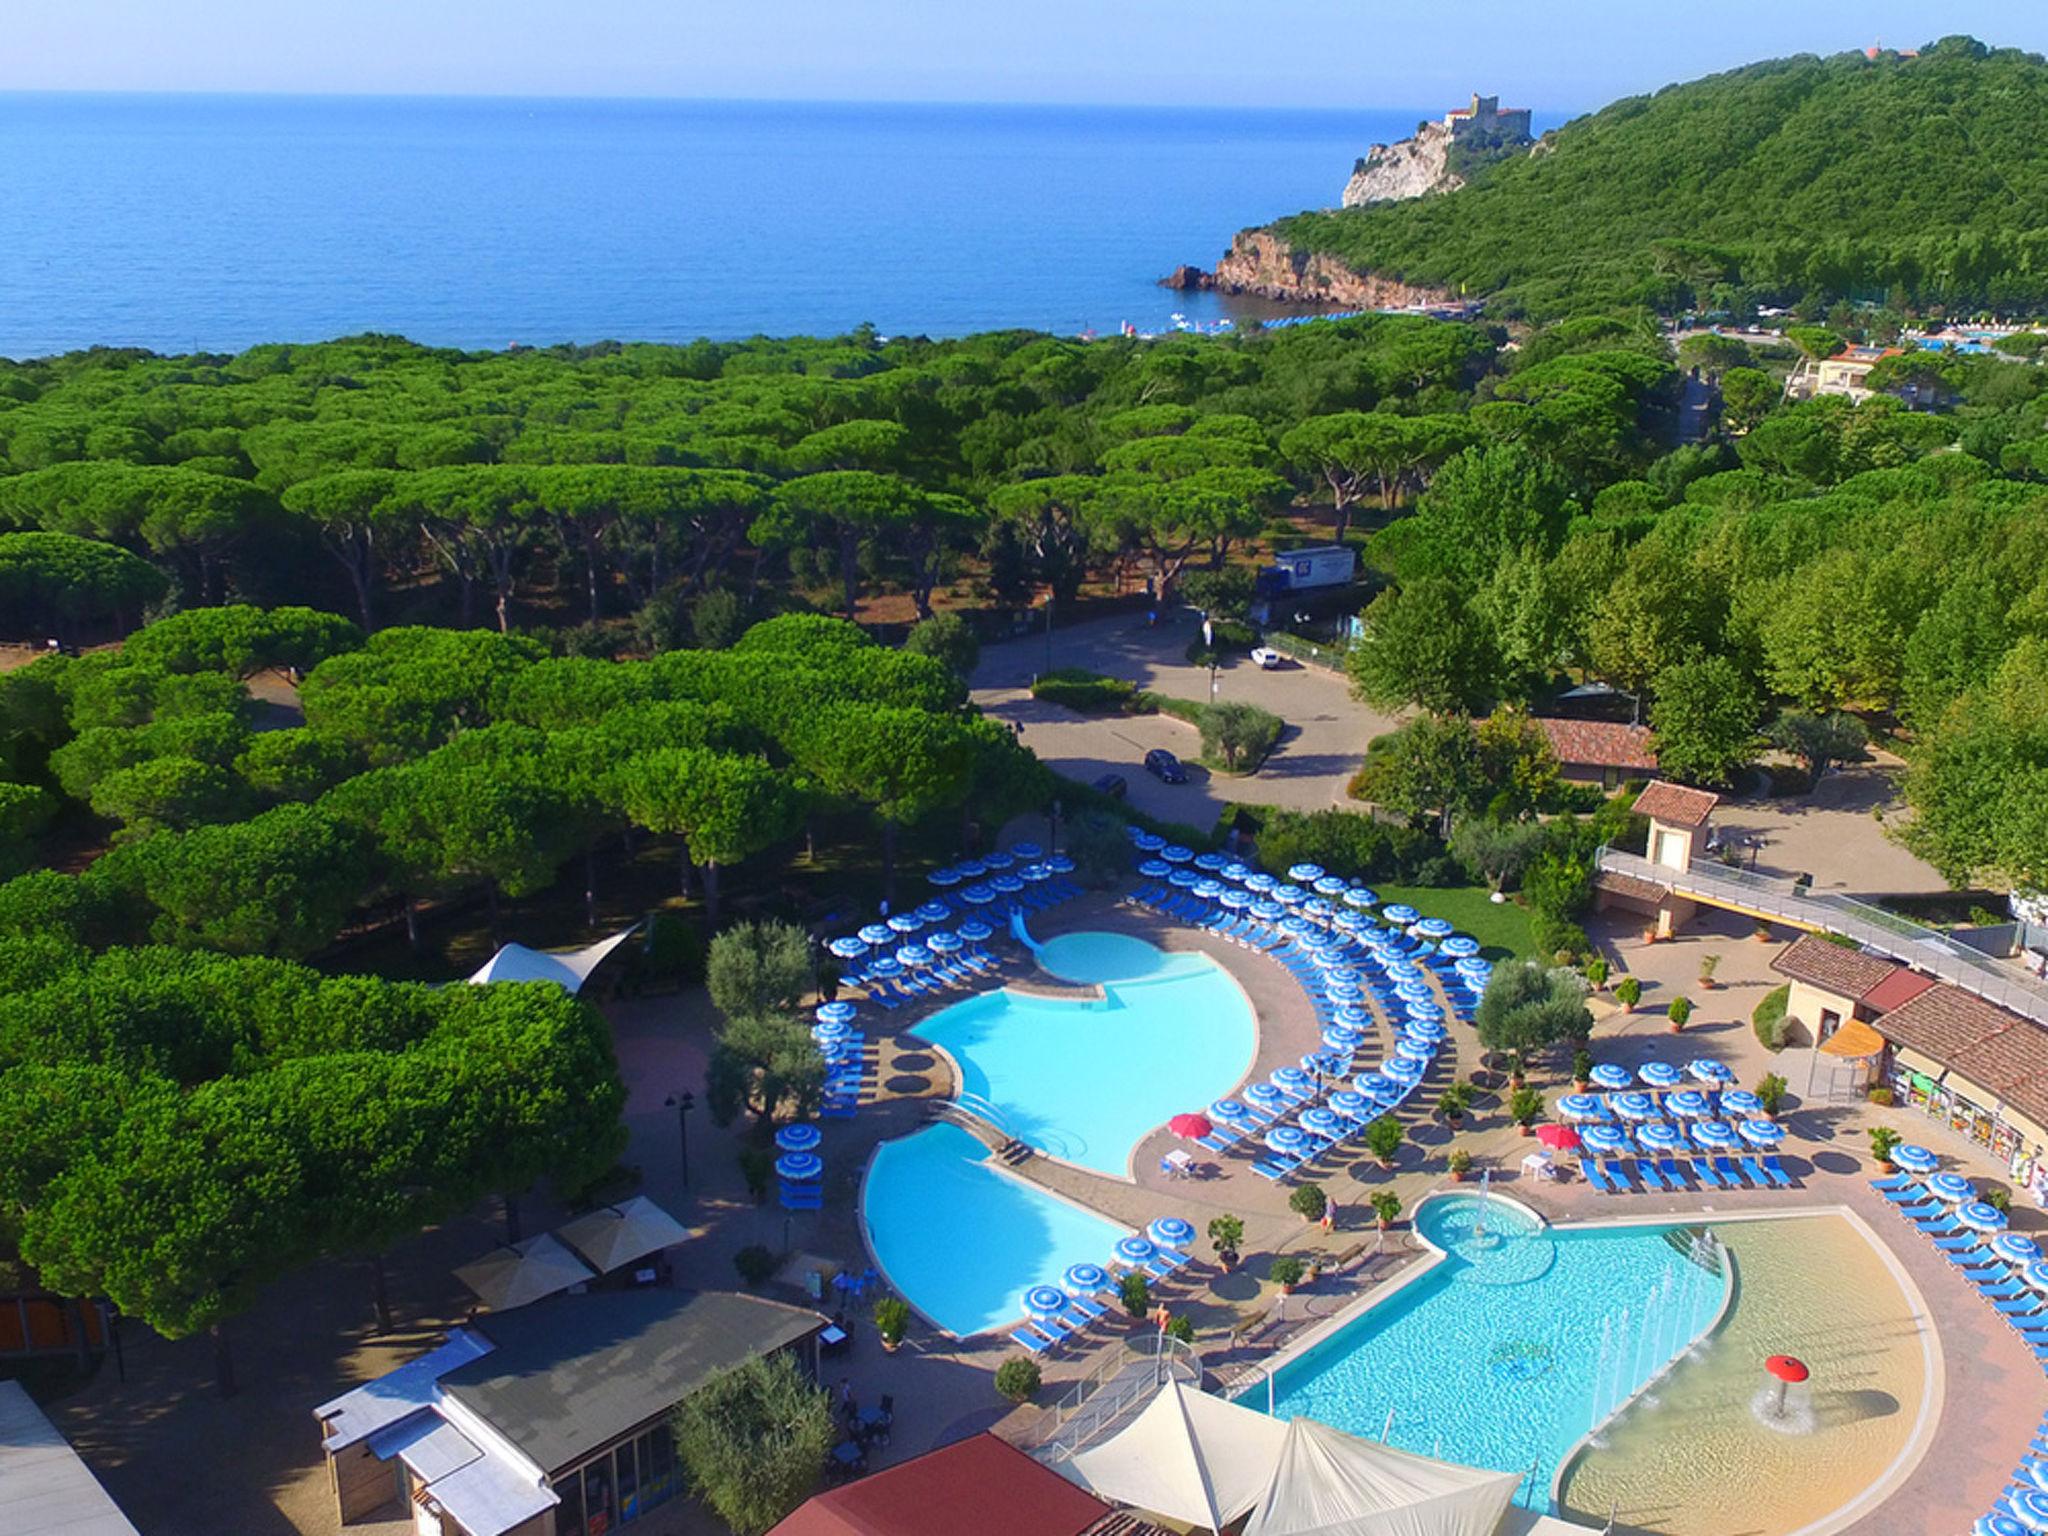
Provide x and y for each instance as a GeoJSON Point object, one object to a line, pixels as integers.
{"type": "Point", "coordinates": [1525, 1109]}
{"type": "Point", "coordinates": [1182, 1328]}
{"type": "Point", "coordinates": [1460, 1164]}
{"type": "Point", "coordinates": [1628, 992]}
{"type": "Point", "coordinates": [1383, 1139]}
{"type": "Point", "coordinates": [1286, 1273]}
{"type": "Point", "coordinates": [1771, 1091]}
{"type": "Point", "coordinates": [1309, 1202]}
{"type": "Point", "coordinates": [1582, 1070]}
{"type": "Point", "coordinates": [1018, 1379]}
{"type": "Point", "coordinates": [892, 1321]}
{"type": "Point", "coordinates": [1225, 1233]}
{"type": "Point", "coordinates": [1880, 1095]}
{"type": "Point", "coordinates": [1453, 1102]}
{"type": "Point", "coordinates": [1386, 1206]}
{"type": "Point", "coordinates": [1678, 1012]}
{"type": "Point", "coordinates": [1708, 965]}
{"type": "Point", "coordinates": [1135, 1294]}
{"type": "Point", "coordinates": [1596, 973]}
{"type": "Point", "coordinates": [1883, 1141]}
{"type": "Point", "coordinates": [1516, 1071]}
{"type": "Point", "coordinates": [1761, 932]}
{"type": "Point", "coordinates": [1999, 1200]}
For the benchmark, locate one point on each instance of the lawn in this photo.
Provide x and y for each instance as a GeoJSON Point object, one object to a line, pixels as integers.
{"type": "Point", "coordinates": [1501, 930]}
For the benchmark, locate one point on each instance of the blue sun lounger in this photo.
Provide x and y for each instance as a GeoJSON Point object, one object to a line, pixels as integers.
{"type": "Point", "coordinates": [1776, 1171]}
{"type": "Point", "coordinates": [1652, 1180]}
{"type": "Point", "coordinates": [1673, 1172]}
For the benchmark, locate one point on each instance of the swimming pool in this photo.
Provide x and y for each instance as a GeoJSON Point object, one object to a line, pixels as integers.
{"type": "Point", "coordinates": [963, 1240]}
{"type": "Point", "coordinates": [1509, 1351]}
{"type": "Point", "coordinates": [1085, 1080]}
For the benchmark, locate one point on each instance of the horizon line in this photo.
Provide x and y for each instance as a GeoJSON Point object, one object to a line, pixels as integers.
{"type": "Point", "coordinates": [264, 94]}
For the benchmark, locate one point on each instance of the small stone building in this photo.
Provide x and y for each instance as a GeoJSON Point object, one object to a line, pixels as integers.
{"type": "Point", "coordinates": [1678, 822]}
{"type": "Point", "coordinates": [1602, 752]}
{"type": "Point", "coordinates": [1833, 984]}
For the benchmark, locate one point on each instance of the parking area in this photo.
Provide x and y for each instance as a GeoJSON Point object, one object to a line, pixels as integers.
{"type": "Point", "coordinates": [1327, 729]}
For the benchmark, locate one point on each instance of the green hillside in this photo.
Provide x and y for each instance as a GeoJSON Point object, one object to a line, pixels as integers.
{"type": "Point", "coordinates": [1922, 179]}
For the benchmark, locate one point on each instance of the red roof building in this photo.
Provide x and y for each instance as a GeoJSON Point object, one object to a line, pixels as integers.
{"type": "Point", "coordinates": [980, 1486]}
{"type": "Point", "coordinates": [1600, 751]}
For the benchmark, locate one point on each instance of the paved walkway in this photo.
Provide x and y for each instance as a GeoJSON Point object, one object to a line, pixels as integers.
{"type": "Point", "coordinates": [1324, 745]}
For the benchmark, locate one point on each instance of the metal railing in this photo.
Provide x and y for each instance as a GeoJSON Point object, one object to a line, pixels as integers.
{"type": "Point", "coordinates": [1887, 933]}
{"type": "Point", "coordinates": [1115, 1386]}
{"type": "Point", "coordinates": [974, 1107]}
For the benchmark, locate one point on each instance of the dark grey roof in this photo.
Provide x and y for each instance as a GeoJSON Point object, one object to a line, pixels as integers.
{"type": "Point", "coordinates": [573, 1372]}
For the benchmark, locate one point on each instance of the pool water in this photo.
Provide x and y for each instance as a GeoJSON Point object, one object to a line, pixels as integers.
{"type": "Point", "coordinates": [962, 1239]}
{"type": "Point", "coordinates": [1085, 1080]}
{"type": "Point", "coordinates": [1505, 1353]}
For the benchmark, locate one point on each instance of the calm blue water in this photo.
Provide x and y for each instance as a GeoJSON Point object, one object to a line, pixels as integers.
{"type": "Point", "coordinates": [1087, 1080]}
{"type": "Point", "coordinates": [963, 1240]}
{"type": "Point", "coordinates": [1503, 1355]}
{"type": "Point", "coordinates": [177, 222]}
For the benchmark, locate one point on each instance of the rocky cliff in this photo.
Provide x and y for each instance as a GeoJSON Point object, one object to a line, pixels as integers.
{"type": "Point", "coordinates": [1411, 168]}
{"type": "Point", "coordinates": [1261, 263]}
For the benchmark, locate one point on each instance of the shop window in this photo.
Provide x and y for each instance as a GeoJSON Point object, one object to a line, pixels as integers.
{"type": "Point", "coordinates": [569, 1513]}
{"type": "Point", "coordinates": [600, 1513]}
{"type": "Point", "coordinates": [629, 1483]}
{"type": "Point", "coordinates": [660, 1478]}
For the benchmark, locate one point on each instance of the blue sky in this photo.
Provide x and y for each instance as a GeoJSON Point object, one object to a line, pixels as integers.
{"type": "Point", "coordinates": [1556, 55]}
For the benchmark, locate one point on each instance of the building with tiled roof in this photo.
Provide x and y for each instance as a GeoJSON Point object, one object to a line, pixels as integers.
{"type": "Point", "coordinates": [1601, 752]}
{"type": "Point", "coordinates": [1977, 1068]}
{"type": "Point", "coordinates": [1676, 805]}
{"type": "Point", "coordinates": [1828, 982]}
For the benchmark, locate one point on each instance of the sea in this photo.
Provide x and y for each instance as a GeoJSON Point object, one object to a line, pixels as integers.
{"type": "Point", "coordinates": [192, 222]}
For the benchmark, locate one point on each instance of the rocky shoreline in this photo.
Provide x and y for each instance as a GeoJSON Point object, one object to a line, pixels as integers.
{"type": "Point", "coordinates": [1261, 264]}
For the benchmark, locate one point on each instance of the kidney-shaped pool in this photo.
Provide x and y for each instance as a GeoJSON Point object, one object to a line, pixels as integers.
{"type": "Point", "coordinates": [1085, 1080]}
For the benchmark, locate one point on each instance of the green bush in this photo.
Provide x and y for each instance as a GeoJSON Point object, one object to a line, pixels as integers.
{"type": "Point", "coordinates": [1226, 1232]}
{"type": "Point", "coordinates": [756, 1164]}
{"type": "Point", "coordinates": [1352, 844]}
{"type": "Point", "coordinates": [1768, 1019]}
{"type": "Point", "coordinates": [1883, 1141]}
{"type": "Point", "coordinates": [1558, 939]}
{"type": "Point", "coordinates": [1286, 1270]}
{"type": "Point", "coordinates": [1679, 1010]}
{"type": "Point", "coordinates": [673, 954]}
{"type": "Point", "coordinates": [1085, 691]}
{"type": "Point", "coordinates": [755, 1264]}
{"type": "Point", "coordinates": [1018, 1379]}
{"type": "Point", "coordinates": [1135, 1294]}
{"type": "Point", "coordinates": [1309, 1202]}
{"type": "Point", "coordinates": [753, 1441]}
{"type": "Point", "coordinates": [1771, 1092]}
{"type": "Point", "coordinates": [1582, 1066]}
{"type": "Point", "coordinates": [1386, 1205]}
{"type": "Point", "coordinates": [1628, 991]}
{"type": "Point", "coordinates": [1526, 1107]}
{"type": "Point", "coordinates": [1182, 1328]}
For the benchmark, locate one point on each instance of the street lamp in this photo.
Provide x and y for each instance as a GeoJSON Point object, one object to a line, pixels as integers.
{"type": "Point", "coordinates": [1048, 629]}
{"type": "Point", "coordinates": [682, 1103]}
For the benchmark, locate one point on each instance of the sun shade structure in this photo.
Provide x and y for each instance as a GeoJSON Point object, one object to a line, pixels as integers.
{"type": "Point", "coordinates": [517, 1273]}
{"type": "Point", "coordinates": [979, 1485]}
{"type": "Point", "coordinates": [1189, 1456]}
{"type": "Point", "coordinates": [1327, 1483]}
{"type": "Point", "coordinates": [616, 1235]}
{"type": "Point", "coordinates": [568, 968]}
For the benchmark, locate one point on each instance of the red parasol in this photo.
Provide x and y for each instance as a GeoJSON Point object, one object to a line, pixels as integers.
{"type": "Point", "coordinates": [1561, 1138]}
{"type": "Point", "coordinates": [1786, 1368]}
{"type": "Point", "coordinates": [1190, 1127]}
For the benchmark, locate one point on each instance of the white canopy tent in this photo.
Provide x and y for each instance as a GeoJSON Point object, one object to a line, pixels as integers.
{"type": "Point", "coordinates": [1327, 1483]}
{"type": "Point", "coordinates": [568, 968]}
{"type": "Point", "coordinates": [514, 1274]}
{"type": "Point", "coordinates": [616, 1235]}
{"type": "Point", "coordinates": [1189, 1456]}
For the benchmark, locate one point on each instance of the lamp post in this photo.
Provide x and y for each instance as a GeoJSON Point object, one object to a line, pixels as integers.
{"type": "Point", "coordinates": [682, 1103]}
{"type": "Point", "coordinates": [1048, 629]}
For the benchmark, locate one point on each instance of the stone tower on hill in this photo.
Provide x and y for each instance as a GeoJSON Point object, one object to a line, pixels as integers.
{"type": "Point", "coordinates": [1425, 163]}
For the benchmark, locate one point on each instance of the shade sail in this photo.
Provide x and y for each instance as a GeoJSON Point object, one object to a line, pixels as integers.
{"type": "Point", "coordinates": [1853, 1041]}
{"type": "Point", "coordinates": [1327, 1483]}
{"type": "Point", "coordinates": [619, 1234]}
{"type": "Point", "coordinates": [1189, 1456]}
{"type": "Point", "coordinates": [568, 968]}
{"type": "Point", "coordinates": [517, 1273]}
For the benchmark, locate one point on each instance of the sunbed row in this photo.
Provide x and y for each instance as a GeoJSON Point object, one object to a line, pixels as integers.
{"type": "Point", "coordinates": [1046, 1332]}
{"type": "Point", "coordinates": [1671, 1172]}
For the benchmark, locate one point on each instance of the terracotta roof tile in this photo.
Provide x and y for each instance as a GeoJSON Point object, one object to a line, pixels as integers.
{"type": "Point", "coordinates": [1676, 804]}
{"type": "Point", "coordinates": [1832, 967]}
{"type": "Point", "coordinates": [2007, 1059]}
{"type": "Point", "coordinates": [1634, 886]}
{"type": "Point", "coordinates": [981, 1485]}
{"type": "Point", "coordinates": [1600, 744]}
{"type": "Point", "coordinates": [1943, 1022]}
{"type": "Point", "coordinates": [1895, 991]}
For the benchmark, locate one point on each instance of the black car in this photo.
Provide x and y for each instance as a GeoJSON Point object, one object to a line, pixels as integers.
{"type": "Point", "coordinates": [1165, 767]}
{"type": "Point", "coordinates": [1112, 785]}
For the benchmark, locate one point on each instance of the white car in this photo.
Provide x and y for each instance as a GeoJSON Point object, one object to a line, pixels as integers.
{"type": "Point", "coordinates": [1267, 659]}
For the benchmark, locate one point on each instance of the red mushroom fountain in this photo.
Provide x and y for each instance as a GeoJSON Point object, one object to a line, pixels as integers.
{"type": "Point", "coordinates": [1788, 1372]}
